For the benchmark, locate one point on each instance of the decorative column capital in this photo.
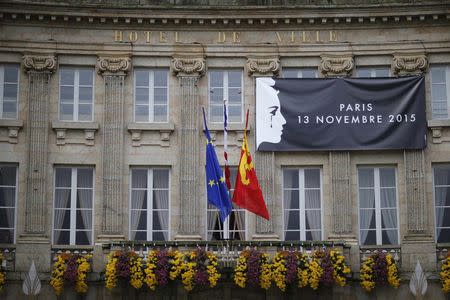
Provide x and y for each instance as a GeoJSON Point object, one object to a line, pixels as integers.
{"type": "Point", "coordinates": [263, 66]}
{"type": "Point", "coordinates": [336, 65]}
{"type": "Point", "coordinates": [109, 65]}
{"type": "Point", "coordinates": [39, 63]}
{"type": "Point", "coordinates": [409, 64]}
{"type": "Point", "coordinates": [188, 66]}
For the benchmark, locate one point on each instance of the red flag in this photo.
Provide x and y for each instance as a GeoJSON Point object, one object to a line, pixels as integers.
{"type": "Point", "coordinates": [247, 192]}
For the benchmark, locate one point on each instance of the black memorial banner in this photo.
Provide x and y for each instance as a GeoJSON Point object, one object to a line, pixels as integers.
{"type": "Point", "coordinates": [303, 114]}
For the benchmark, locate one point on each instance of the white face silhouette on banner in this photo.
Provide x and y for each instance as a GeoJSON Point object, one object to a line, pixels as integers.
{"type": "Point", "coordinates": [269, 120]}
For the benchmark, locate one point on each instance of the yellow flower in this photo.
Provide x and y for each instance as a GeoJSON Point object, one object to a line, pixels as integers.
{"type": "Point", "coordinates": [316, 272]}
{"type": "Point", "coordinates": [110, 274]}
{"type": "Point", "coordinates": [445, 274]}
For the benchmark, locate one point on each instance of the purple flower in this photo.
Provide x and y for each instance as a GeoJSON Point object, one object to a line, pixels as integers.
{"type": "Point", "coordinates": [327, 266]}
{"type": "Point", "coordinates": [71, 269]}
{"type": "Point", "coordinates": [380, 269]}
{"type": "Point", "coordinates": [162, 267]}
{"type": "Point", "coordinates": [201, 278]}
{"type": "Point", "coordinates": [291, 267]}
{"type": "Point", "coordinates": [253, 268]}
{"type": "Point", "coordinates": [123, 266]}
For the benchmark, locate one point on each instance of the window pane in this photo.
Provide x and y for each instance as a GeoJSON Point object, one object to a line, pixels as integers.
{"type": "Point", "coordinates": [67, 76]}
{"type": "Point", "coordinates": [381, 72]}
{"type": "Point", "coordinates": [216, 113]}
{"type": "Point", "coordinates": [11, 73]}
{"type": "Point", "coordinates": [442, 196]}
{"type": "Point", "coordinates": [439, 91]}
{"type": "Point", "coordinates": [365, 177]}
{"type": "Point", "coordinates": [363, 73]}
{"type": "Point", "coordinates": [387, 197]}
{"type": "Point", "coordinates": [142, 96]}
{"type": "Point", "coordinates": [160, 220]}
{"type": "Point", "coordinates": [366, 198]}
{"type": "Point", "coordinates": [309, 74]}
{"type": "Point", "coordinates": [141, 78]}
{"type": "Point", "coordinates": [64, 237]}
{"type": "Point", "coordinates": [389, 218]}
{"type": "Point", "coordinates": [86, 77]}
{"type": "Point", "coordinates": [62, 219]}
{"type": "Point", "coordinates": [313, 235]}
{"type": "Point", "coordinates": [160, 96]}
{"type": "Point", "coordinates": [160, 113]}
{"type": "Point", "coordinates": [234, 113]}
{"type": "Point", "coordinates": [289, 73]}
{"type": "Point", "coordinates": [84, 219]}
{"type": "Point", "coordinates": [160, 200]}
{"type": "Point", "coordinates": [158, 236]}
{"type": "Point", "coordinates": [10, 91]}
{"type": "Point", "coordinates": [6, 217]}
{"type": "Point", "coordinates": [367, 219]}
{"type": "Point", "coordinates": [292, 220]}
{"type": "Point", "coordinates": [442, 175]}
{"type": "Point", "coordinates": [437, 75]}
{"type": "Point", "coordinates": [387, 177]}
{"type": "Point", "coordinates": [389, 237]}
{"type": "Point", "coordinates": [7, 196]}
{"type": "Point", "coordinates": [368, 237]}
{"type": "Point", "coordinates": [138, 220]}
{"type": "Point", "coordinates": [139, 199]}
{"type": "Point", "coordinates": [63, 177]}
{"type": "Point", "coordinates": [290, 178]}
{"type": "Point", "coordinates": [84, 199]}
{"type": "Point", "coordinates": [6, 236]}
{"type": "Point", "coordinates": [216, 78]}
{"type": "Point", "coordinates": [443, 217]}
{"type": "Point", "coordinates": [161, 178]}
{"type": "Point", "coordinates": [234, 95]}
{"type": "Point", "coordinates": [291, 200]}
{"type": "Point", "coordinates": [161, 78]}
{"type": "Point", "coordinates": [443, 235]}
{"type": "Point", "coordinates": [216, 95]}
{"type": "Point", "coordinates": [8, 175]}
{"type": "Point", "coordinates": [141, 113]}
{"type": "Point", "coordinates": [9, 109]}
{"type": "Point", "coordinates": [66, 111]}
{"type": "Point", "coordinates": [139, 178]}
{"type": "Point", "coordinates": [234, 78]}
{"type": "Point", "coordinates": [85, 95]}
{"type": "Point", "coordinates": [85, 177]}
{"type": "Point", "coordinates": [312, 178]}
{"type": "Point", "coordinates": [67, 93]}
{"type": "Point", "coordinates": [292, 236]}
{"type": "Point", "coordinates": [313, 219]}
{"type": "Point", "coordinates": [62, 198]}
{"type": "Point", "coordinates": [82, 237]}
{"type": "Point", "coordinates": [85, 112]}
{"type": "Point", "coordinates": [312, 199]}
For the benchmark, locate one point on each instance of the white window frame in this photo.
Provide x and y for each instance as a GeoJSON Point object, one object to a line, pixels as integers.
{"type": "Point", "coordinates": [76, 94]}
{"type": "Point", "coordinates": [302, 209]}
{"type": "Point", "coordinates": [2, 85]}
{"type": "Point", "coordinates": [372, 71]}
{"type": "Point", "coordinates": [15, 199]}
{"type": "Point", "coordinates": [377, 191]}
{"type": "Point", "coordinates": [446, 68]}
{"type": "Point", "coordinates": [73, 203]}
{"type": "Point", "coordinates": [149, 191]}
{"type": "Point", "coordinates": [210, 208]}
{"type": "Point", "coordinates": [300, 71]}
{"type": "Point", "coordinates": [434, 201]}
{"type": "Point", "coordinates": [225, 88]}
{"type": "Point", "coordinates": [151, 94]}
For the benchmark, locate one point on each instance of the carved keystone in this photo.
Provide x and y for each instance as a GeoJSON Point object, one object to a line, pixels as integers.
{"type": "Point", "coordinates": [182, 66]}
{"type": "Point", "coordinates": [113, 65]}
{"type": "Point", "coordinates": [263, 66]}
{"type": "Point", "coordinates": [332, 65]}
{"type": "Point", "coordinates": [409, 64]}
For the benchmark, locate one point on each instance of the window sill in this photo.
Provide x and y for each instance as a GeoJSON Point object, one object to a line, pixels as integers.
{"type": "Point", "coordinates": [13, 127]}
{"type": "Point", "coordinates": [61, 129]}
{"type": "Point", "coordinates": [235, 133]}
{"type": "Point", "coordinates": [141, 134]}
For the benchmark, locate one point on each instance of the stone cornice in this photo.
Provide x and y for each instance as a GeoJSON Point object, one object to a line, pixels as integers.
{"type": "Point", "coordinates": [263, 66]}
{"type": "Point", "coordinates": [226, 15]}
{"type": "Point", "coordinates": [336, 65]}
{"type": "Point", "coordinates": [113, 65]}
{"type": "Point", "coordinates": [39, 63]}
{"type": "Point", "coordinates": [409, 64]}
{"type": "Point", "coordinates": [188, 66]}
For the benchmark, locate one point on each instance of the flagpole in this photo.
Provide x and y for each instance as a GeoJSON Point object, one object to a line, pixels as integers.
{"type": "Point", "coordinates": [226, 222]}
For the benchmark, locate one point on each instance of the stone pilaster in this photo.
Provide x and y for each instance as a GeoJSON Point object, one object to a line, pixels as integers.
{"type": "Point", "coordinates": [265, 161]}
{"type": "Point", "coordinates": [189, 71]}
{"type": "Point", "coordinates": [114, 70]}
{"type": "Point", "coordinates": [336, 65]}
{"type": "Point", "coordinates": [35, 238]}
{"type": "Point", "coordinates": [39, 70]}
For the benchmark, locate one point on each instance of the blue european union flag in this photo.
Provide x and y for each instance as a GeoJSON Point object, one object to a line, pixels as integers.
{"type": "Point", "coordinates": [217, 192]}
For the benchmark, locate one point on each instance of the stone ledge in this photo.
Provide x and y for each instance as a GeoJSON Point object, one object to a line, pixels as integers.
{"type": "Point", "coordinates": [137, 129]}
{"type": "Point", "coordinates": [13, 127]}
{"type": "Point", "coordinates": [89, 129]}
{"type": "Point", "coordinates": [235, 132]}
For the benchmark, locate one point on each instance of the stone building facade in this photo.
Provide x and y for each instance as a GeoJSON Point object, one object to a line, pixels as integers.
{"type": "Point", "coordinates": [102, 100]}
